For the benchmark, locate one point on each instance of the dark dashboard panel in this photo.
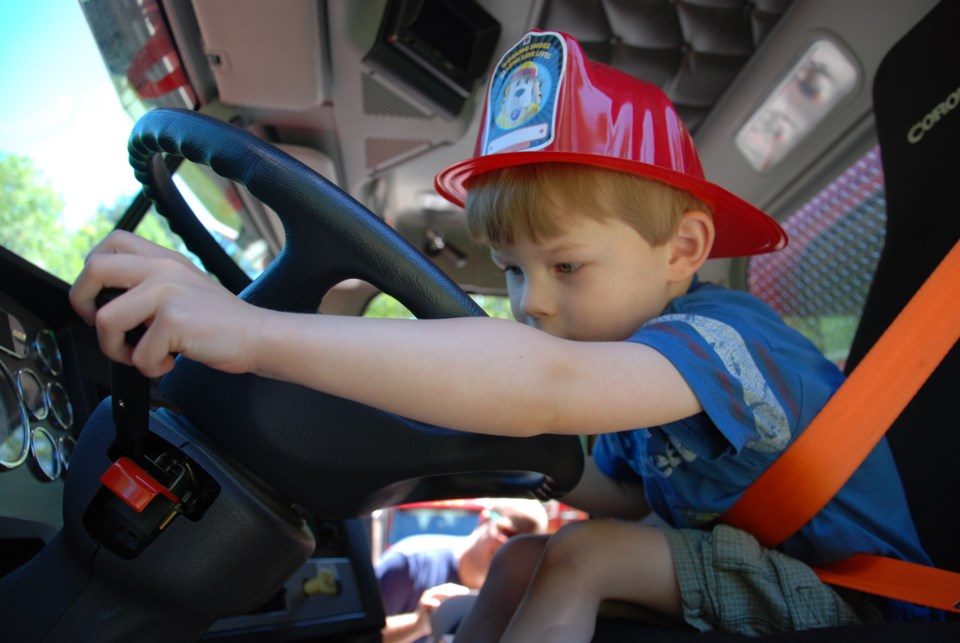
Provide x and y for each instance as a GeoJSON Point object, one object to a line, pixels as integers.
{"type": "Point", "coordinates": [333, 595]}
{"type": "Point", "coordinates": [38, 431]}
{"type": "Point", "coordinates": [31, 498]}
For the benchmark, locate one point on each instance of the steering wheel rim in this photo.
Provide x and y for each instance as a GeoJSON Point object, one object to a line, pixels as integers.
{"type": "Point", "coordinates": [359, 242]}
{"type": "Point", "coordinates": [355, 458]}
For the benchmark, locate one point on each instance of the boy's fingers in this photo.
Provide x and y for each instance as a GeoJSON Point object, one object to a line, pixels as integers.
{"type": "Point", "coordinates": [134, 306]}
{"type": "Point", "coordinates": [122, 242]}
{"type": "Point", "coordinates": [153, 356]}
{"type": "Point", "coordinates": [122, 271]}
{"type": "Point", "coordinates": [119, 316]}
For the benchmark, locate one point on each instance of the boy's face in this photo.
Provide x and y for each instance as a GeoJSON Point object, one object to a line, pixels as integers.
{"type": "Point", "coordinates": [596, 281]}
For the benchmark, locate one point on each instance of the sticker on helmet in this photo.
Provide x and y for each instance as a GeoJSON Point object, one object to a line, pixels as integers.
{"type": "Point", "coordinates": [524, 91]}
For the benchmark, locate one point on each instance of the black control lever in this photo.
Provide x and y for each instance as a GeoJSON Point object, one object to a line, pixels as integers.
{"type": "Point", "coordinates": [131, 393]}
{"type": "Point", "coordinates": [150, 481]}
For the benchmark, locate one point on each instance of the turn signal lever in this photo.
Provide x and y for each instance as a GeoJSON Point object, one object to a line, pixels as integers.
{"type": "Point", "coordinates": [150, 481]}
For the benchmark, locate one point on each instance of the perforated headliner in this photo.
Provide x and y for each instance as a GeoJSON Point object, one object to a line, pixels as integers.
{"type": "Point", "coordinates": [693, 49]}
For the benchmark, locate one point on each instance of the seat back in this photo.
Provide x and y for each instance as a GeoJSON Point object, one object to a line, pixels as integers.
{"type": "Point", "coordinates": [916, 94]}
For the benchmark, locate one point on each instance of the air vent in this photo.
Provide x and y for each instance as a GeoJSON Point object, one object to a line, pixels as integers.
{"type": "Point", "coordinates": [384, 152]}
{"type": "Point", "coordinates": [380, 100]}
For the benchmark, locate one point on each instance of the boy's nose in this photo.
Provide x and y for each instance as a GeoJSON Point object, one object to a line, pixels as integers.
{"type": "Point", "coordinates": [536, 302]}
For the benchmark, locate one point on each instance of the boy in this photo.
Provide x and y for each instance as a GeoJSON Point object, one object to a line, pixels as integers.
{"type": "Point", "coordinates": [597, 211]}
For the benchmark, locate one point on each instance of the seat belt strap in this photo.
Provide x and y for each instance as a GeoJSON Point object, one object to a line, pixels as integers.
{"type": "Point", "coordinates": [811, 471]}
{"type": "Point", "coordinates": [820, 461]}
{"type": "Point", "coordinates": [895, 579]}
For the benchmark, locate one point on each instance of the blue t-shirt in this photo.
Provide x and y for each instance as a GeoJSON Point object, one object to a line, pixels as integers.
{"type": "Point", "coordinates": [412, 566]}
{"type": "Point", "coordinates": [760, 383]}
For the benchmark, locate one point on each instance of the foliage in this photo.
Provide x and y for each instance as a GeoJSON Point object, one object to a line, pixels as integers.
{"type": "Point", "coordinates": [29, 209]}
{"type": "Point", "coordinates": [31, 221]}
{"type": "Point", "coordinates": [494, 305]}
{"type": "Point", "coordinates": [385, 306]}
{"type": "Point", "coordinates": [832, 334]}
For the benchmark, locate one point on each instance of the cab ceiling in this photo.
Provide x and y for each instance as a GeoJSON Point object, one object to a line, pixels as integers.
{"type": "Point", "coordinates": [372, 126]}
{"type": "Point", "coordinates": [296, 74]}
{"type": "Point", "coordinates": [303, 76]}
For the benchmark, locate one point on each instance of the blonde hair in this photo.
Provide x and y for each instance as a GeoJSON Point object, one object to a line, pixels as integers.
{"type": "Point", "coordinates": [522, 201]}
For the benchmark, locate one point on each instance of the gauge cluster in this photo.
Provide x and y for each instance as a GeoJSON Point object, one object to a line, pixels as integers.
{"type": "Point", "coordinates": [36, 412]}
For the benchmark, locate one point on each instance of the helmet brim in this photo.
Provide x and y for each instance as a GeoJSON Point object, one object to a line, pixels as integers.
{"type": "Point", "coordinates": [741, 228]}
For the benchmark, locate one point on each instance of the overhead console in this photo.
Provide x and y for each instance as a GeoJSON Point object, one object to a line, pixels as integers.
{"type": "Point", "coordinates": [438, 48]}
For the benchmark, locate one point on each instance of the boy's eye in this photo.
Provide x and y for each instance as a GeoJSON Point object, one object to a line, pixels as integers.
{"type": "Point", "coordinates": [567, 268]}
{"type": "Point", "coordinates": [515, 271]}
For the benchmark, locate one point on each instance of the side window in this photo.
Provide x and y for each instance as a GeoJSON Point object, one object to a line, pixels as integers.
{"type": "Point", "coordinates": [819, 282]}
{"type": "Point", "coordinates": [217, 204]}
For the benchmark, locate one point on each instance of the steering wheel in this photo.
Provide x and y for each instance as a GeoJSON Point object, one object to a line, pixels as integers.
{"type": "Point", "coordinates": [251, 452]}
{"type": "Point", "coordinates": [337, 458]}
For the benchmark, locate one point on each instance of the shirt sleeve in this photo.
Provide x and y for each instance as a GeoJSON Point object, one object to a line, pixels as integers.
{"type": "Point", "coordinates": [734, 376]}
{"type": "Point", "coordinates": [393, 577]}
{"type": "Point", "coordinates": [610, 458]}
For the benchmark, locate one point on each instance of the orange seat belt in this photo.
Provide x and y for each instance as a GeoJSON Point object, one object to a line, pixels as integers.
{"type": "Point", "coordinates": [820, 461]}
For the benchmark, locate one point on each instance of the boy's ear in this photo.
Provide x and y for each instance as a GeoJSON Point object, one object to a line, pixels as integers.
{"type": "Point", "coordinates": [692, 244]}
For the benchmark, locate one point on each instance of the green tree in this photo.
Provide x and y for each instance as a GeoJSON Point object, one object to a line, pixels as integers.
{"type": "Point", "coordinates": [31, 221]}
{"type": "Point", "coordinates": [65, 255]}
{"type": "Point", "coordinates": [383, 305]}
{"type": "Point", "coordinates": [30, 209]}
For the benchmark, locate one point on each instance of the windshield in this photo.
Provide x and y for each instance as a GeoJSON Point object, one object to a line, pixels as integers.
{"type": "Point", "coordinates": [61, 117]}
{"type": "Point", "coordinates": [74, 112]}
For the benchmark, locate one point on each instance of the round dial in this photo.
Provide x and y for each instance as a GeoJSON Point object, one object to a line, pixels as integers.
{"type": "Point", "coordinates": [60, 404]}
{"type": "Point", "coordinates": [14, 425]}
{"type": "Point", "coordinates": [32, 394]}
{"type": "Point", "coordinates": [66, 445]}
{"type": "Point", "coordinates": [48, 351]}
{"type": "Point", "coordinates": [46, 455]}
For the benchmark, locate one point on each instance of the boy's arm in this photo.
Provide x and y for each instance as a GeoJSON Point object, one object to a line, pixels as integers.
{"type": "Point", "coordinates": [474, 374]}
{"type": "Point", "coordinates": [600, 495]}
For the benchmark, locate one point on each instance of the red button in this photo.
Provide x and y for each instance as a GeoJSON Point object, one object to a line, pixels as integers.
{"type": "Point", "coordinates": [133, 485]}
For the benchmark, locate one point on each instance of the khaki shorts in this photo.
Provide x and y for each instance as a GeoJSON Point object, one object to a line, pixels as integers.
{"type": "Point", "coordinates": [730, 583]}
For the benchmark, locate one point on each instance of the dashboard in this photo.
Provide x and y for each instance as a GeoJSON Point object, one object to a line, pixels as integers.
{"type": "Point", "coordinates": [52, 377]}
{"type": "Point", "coordinates": [38, 428]}
{"type": "Point", "coordinates": [38, 432]}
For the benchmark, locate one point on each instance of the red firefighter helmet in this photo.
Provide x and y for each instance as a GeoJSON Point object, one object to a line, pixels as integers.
{"type": "Point", "coordinates": [592, 114]}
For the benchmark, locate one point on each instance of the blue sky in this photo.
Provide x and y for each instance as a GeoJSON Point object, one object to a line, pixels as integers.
{"type": "Point", "coordinates": [58, 105]}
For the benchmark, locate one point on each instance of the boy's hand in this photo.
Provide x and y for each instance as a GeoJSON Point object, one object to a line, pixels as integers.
{"type": "Point", "coordinates": [184, 310]}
